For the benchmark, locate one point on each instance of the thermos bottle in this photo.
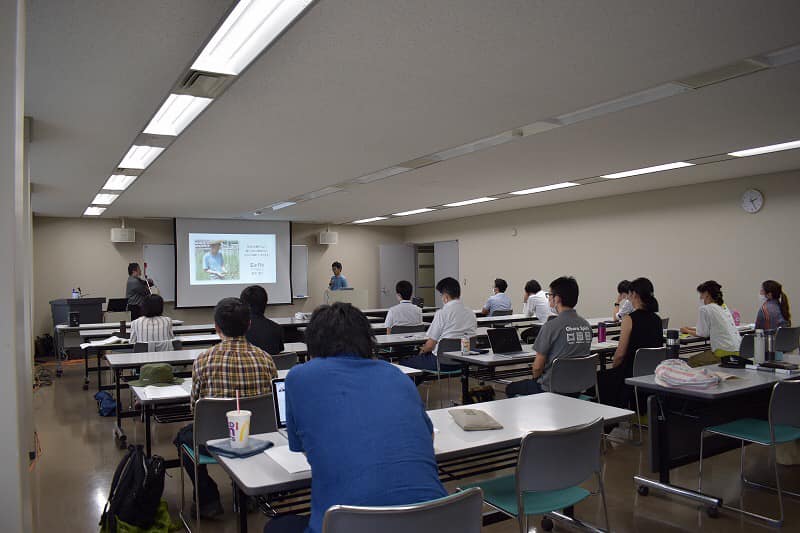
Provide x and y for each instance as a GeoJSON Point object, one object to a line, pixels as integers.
{"type": "Point", "coordinates": [673, 343]}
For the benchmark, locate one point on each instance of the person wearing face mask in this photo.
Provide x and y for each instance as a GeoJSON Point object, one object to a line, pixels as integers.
{"type": "Point", "coordinates": [566, 335]}
{"type": "Point", "coordinates": [622, 305]}
{"type": "Point", "coordinates": [640, 328]}
{"type": "Point", "coordinates": [773, 311]}
{"type": "Point", "coordinates": [714, 320]}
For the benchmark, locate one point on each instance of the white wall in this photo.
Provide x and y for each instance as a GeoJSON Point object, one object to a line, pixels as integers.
{"type": "Point", "coordinates": [16, 438]}
{"type": "Point", "coordinates": [99, 266]}
{"type": "Point", "coordinates": [677, 237]}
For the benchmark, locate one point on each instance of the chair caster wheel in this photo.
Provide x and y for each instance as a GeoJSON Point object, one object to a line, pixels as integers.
{"type": "Point", "coordinates": [547, 524]}
{"type": "Point", "coordinates": [712, 512]}
{"type": "Point", "coordinates": [642, 490]}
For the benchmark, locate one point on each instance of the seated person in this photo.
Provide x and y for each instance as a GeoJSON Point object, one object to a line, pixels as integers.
{"type": "Point", "coordinates": [714, 320]}
{"type": "Point", "coordinates": [152, 326]}
{"type": "Point", "coordinates": [640, 329]}
{"type": "Point", "coordinates": [622, 305]}
{"type": "Point", "coordinates": [262, 332]}
{"type": "Point", "coordinates": [405, 313]}
{"type": "Point", "coordinates": [338, 281]}
{"type": "Point", "coordinates": [452, 321]}
{"type": "Point", "coordinates": [360, 422]}
{"type": "Point", "coordinates": [499, 301]}
{"type": "Point", "coordinates": [536, 304]}
{"type": "Point", "coordinates": [774, 312]}
{"type": "Point", "coordinates": [219, 372]}
{"type": "Point", "coordinates": [566, 335]}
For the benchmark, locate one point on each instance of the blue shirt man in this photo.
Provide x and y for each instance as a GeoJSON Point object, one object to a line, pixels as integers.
{"type": "Point", "coordinates": [213, 262]}
{"type": "Point", "coordinates": [365, 433]}
{"type": "Point", "coordinates": [338, 281]}
{"type": "Point", "coordinates": [499, 301]}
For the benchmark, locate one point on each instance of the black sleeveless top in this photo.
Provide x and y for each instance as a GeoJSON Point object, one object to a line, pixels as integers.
{"type": "Point", "coordinates": [647, 332]}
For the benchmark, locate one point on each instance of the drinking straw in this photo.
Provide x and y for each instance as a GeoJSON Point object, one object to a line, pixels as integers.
{"type": "Point", "coordinates": [238, 411]}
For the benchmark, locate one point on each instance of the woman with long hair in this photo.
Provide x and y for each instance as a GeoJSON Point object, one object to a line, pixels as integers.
{"type": "Point", "coordinates": [774, 311]}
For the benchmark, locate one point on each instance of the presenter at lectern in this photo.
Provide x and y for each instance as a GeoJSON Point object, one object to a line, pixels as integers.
{"type": "Point", "coordinates": [338, 281]}
{"type": "Point", "coordinates": [135, 290]}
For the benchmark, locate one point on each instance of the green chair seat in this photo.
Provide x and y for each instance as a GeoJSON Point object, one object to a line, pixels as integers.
{"type": "Point", "coordinates": [586, 398]}
{"type": "Point", "coordinates": [204, 459]}
{"type": "Point", "coordinates": [444, 372]}
{"type": "Point", "coordinates": [502, 493]}
{"type": "Point", "coordinates": [755, 430]}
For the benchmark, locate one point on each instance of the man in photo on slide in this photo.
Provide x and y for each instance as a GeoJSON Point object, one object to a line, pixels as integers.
{"type": "Point", "coordinates": [214, 263]}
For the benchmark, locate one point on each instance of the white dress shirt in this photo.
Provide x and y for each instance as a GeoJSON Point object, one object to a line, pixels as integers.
{"type": "Point", "coordinates": [537, 306]}
{"type": "Point", "coordinates": [452, 321]}
{"type": "Point", "coordinates": [404, 314]}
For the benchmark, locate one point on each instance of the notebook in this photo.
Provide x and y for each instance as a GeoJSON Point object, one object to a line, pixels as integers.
{"type": "Point", "coordinates": [292, 462]}
{"type": "Point", "coordinates": [474, 420]}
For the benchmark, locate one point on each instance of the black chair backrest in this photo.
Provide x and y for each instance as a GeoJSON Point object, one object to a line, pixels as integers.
{"type": "Point", "coordinates": [506, 312]}
{"type": "Point", "coordinates": [285, 361]}
{"type": "Point", "coordinates": [409, 329]}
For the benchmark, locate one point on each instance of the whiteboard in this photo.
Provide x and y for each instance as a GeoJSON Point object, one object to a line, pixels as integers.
{"type": "Point", "coordinates": [299, 270]}
{"type": "Point", "coordinates": [160, 259]}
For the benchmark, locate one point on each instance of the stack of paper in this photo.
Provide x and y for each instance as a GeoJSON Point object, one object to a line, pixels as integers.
{"type": "Point", "coordinates": [165, 393]}
{"type": "Point", "coordinates": [292, 462]}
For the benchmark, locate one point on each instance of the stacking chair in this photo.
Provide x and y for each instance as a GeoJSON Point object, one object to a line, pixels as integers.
{"type": "Point", "coordinates": [445, 367]}
{"type": "Point", "coordinates": [787, 339]}
{"type": "Point", "coordinates": [457, 513]}
{"type": "Point", "coordinates": [645, 361]}
{"type": "Point", "coordinates": [505, 312]}
{"type": "Point", "coordinates": [410, 329]}
{"type": "Point", "coordinates": [550, 469]}
{"type": "Point", "coordinates": [210, 423]}
{"type": "Point", "coordinates": [285, 361]}
{"type": "Point", "coordinates": [664, 323]}
{"type": "Point", "coordinates": [404, 350]}
{"type": "Point", "coordinates": [157, 346]}
{"type": "Point", "coordinates": [782, 426]}
{"type": "Point", "coordinates": [747, 346]}
{"type": "Point", "coordinates": [574, 375]}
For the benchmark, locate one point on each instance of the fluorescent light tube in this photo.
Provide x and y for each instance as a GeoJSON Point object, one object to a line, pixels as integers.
{"type": "Point", "coordinates": [470, 202]}
{"type": "Point", "coordinates": [119, 182]}
{"type": "Point", "coordinates": [281, 205]}
{"type": "Point", "coordinates": [140, 157]}
{"type": "Point", "coordinates": [475, 146]}
{"type": "Point", "coordinates": [647, 96]}
{"type": "Point", "coordinates": [93, 211]}
{"type": "Point", "coordinates": [245, 33]}
{"type": "Point", "coordinates": [414, 212]}
{"type": "Point", "coordinates": [365, 220]}
{"type": "Point", "coordinates": [104, 199]}
{"type": "Point", "coordinates": [767, 149]}
{"type": "Point", "coordinates": [648, 170]}
{"type": "Point", "coordinates": [553, 187]}
{"type": "Point", "coordinates": [177, 112]}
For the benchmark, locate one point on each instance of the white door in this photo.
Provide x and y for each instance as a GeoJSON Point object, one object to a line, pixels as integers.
{"type": "Point", "coordinates": [396, 263]}
{"type": "Point", "coordinates": [445, 263]}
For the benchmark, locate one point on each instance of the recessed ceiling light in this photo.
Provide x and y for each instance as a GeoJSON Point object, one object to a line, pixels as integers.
{"type": "Point", "coordinates": [647, 170]}
{"type": "Point", "coordinates": [553, 187]}
{"type": "Point", "coordinates": [177, 112]}
{"type": "Point", "coordinates": [93, 211]}
{"type": "Point", "coordinates": [365, 220]}
{"type": "Point", "coordinates": [246, 32]}
{"type": "Point", "coordinates": [119, 182]}
{"type": "Point", "coordinates": [104, 199]}
{"type": "Point", "coordinates": [470, 202]}
{"type": "Point", "coordinates": [140, 157]}
{"type": "Point", "coordinates": [414, 212]}
{"type": "Point", "coordinates": [281, 205]}
{"type": "Point", "coordinates": [767, 149]}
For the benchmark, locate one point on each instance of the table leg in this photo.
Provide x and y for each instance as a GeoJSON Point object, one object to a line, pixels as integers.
{"type": "Point", "coordinates": [85, 369]}
{"type": "Point", "coordinates": [465, 384]}
{"type": "Point", "coordinates": [147, 438]}
{"type": "Point", "coordinates": [119, 434]}
{"type": "Point", "coordinates": [241, 502]}
{"type": "Point", "coordinates": [99, 373]}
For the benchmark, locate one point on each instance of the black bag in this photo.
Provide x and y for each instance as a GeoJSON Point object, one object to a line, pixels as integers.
{"type": "Point", "coordinates": [136, 490]}
{"type": "Point", "coordinates": [483, 393]}
{"type": "Point", "coordinates": [44, 347]}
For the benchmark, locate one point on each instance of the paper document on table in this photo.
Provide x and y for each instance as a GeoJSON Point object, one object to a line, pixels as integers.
{"type": "Point", "coordinates": [167, 392]}
{"type": "Point", "coordinates": [292, 462]}
{"type": "Point", "coordinates": [104, 342]}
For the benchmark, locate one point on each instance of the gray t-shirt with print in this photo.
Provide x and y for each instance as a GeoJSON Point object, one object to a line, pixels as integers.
{"type": "Point", "coordinates": [566, 335]}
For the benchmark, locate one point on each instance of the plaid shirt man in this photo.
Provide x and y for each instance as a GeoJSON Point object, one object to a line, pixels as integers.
{"type": "Point", "coordinates": [233, 364]}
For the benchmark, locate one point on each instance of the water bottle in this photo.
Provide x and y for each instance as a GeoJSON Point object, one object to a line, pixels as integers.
{"type": "Point", "coordinates": [465, 344]}
{"type": "Point", "coordinates": [758, 346]}
{"type": "Point", "coordinates": [673, 343]}
{"type": "Point", "coordinates": [601, 332]}
{"type": "Point", "coordinates": [75, 294]}
{"type": "Point", "coordinates": [769, 345]}
{"type": "Point", "coordinates": [737, 318]}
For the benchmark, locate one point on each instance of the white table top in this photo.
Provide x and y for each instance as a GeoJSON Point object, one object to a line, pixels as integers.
{"type": "Point", "coordinates": [100, 325]}
{"type": "Point", "coordinates": [395, 339]}
{"type": "Point", "coordinates": [490, 359]}
{"type": "Point", "coordinates": [176, 357]}
{"type": "Point", "coordinates": [259, 474]}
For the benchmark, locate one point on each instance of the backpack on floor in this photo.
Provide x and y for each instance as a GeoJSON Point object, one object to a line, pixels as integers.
{"type": "Point", "coordinates": [136, 490]}
{"type": "Point", "coordinates": [106, 405]}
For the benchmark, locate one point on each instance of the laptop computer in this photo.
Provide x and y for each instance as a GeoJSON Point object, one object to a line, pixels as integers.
{"type": "Point", "coordinates": [279, 403]}
{"type": "Point", "coordinates": [505, 341]}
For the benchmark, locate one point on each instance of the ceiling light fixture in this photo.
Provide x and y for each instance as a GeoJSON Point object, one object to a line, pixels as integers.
{"type": "Point", "coordinates": [553, 187]}
{"type": "Point", "coordinates": [767, 149]}
{"type": "Point", "coordinates": [413, 212]}
{"type": "Point", "coordinates": [381, 174]}
{"type": "Point", "coordinates": [281, 205]}
{"type": "Point", "coordinates": [140, 157]}
{"type": "Point", "coordinates": [475, 146]}
{"type": "Point", "coordinates": [119, 182]}
{"type": "Point", "coordinates": [365, 220]}
{"type": "Point", "coordinates": [104, 199]}
{"type": "Point", "coordinates": [646, 96]}
{"type": "Point", "coordinates": [647, 170]}
{"type": "Point", "coordinates": [470, 202]}
{"type": "Point", "coordinates": [177, 112]}
{"type": "Point", "coordinates": [93, 211]}
{"type": "Point", "coordinates": [249, 29]}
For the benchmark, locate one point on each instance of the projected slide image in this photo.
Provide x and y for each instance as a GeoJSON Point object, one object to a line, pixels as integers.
{"type": "Point", "coordinates": [218, 259]}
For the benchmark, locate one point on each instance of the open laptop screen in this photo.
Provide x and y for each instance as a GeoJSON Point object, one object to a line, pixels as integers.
{"type": "Point", "coordinates": [279, 401]}
{"type": "Point", "coordinates": [504, 340]}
